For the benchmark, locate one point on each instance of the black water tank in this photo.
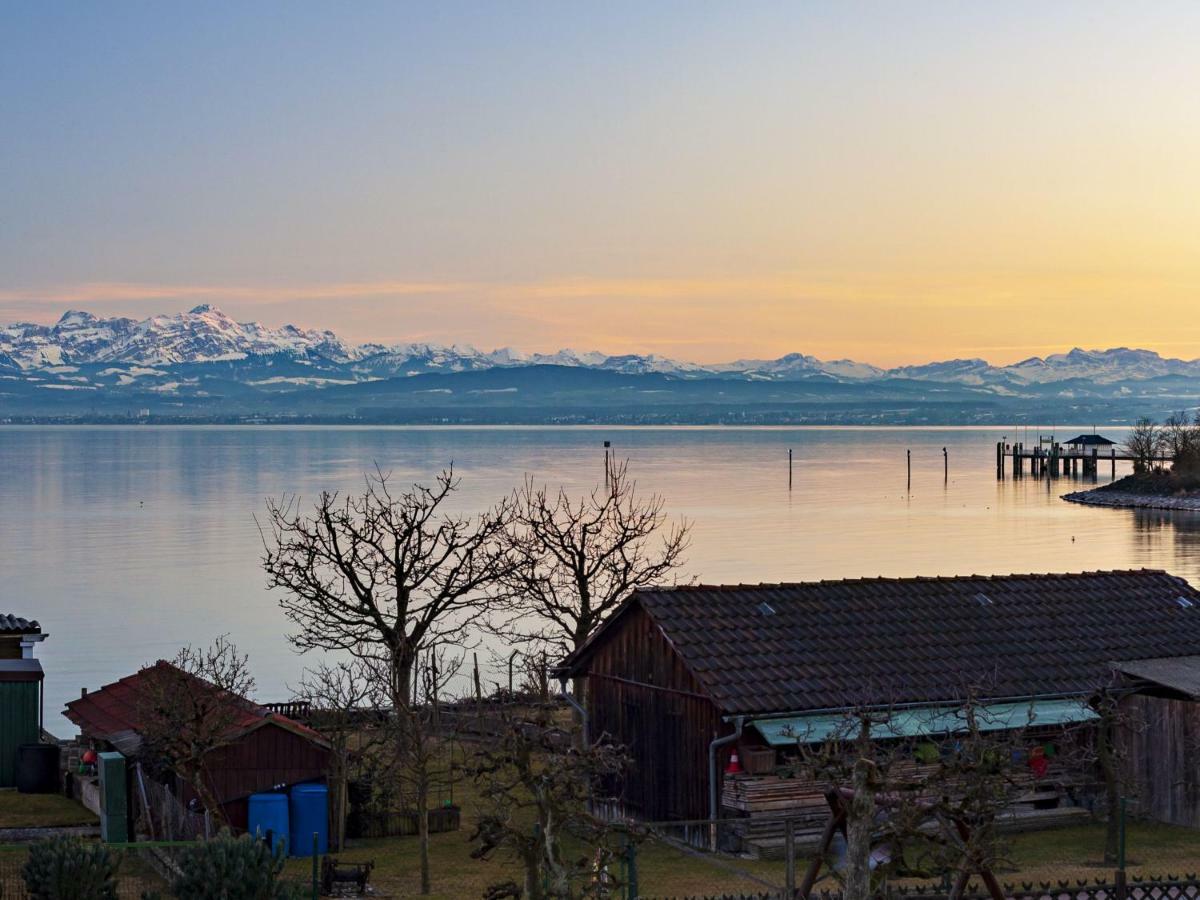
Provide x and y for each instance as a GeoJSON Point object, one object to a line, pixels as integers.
{"type": "Point", "coordinates": [37, 768]}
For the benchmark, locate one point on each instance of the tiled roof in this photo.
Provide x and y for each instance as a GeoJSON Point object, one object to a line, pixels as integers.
{"type": "Point", "coordinates": [113, 713]}
{"type": "Point", "coordinates": [17, 625]}
{"type": "Point", "coordinates": [832, 644]}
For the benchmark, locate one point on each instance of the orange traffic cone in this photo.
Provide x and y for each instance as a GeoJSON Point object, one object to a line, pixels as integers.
{"type": "Point", "coordinates": [735, 764]}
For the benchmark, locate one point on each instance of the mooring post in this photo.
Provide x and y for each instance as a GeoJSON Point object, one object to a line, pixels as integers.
{"type": "Point", "coordinates": [789, 468]}
{"type": "Point", "coordinates": [908, 456]}
{"type": "Point", "coordinates": [945, 464]}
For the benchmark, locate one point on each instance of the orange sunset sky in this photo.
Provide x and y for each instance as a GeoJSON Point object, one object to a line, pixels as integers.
{"type": "Point", "coordinates": [889, 182]}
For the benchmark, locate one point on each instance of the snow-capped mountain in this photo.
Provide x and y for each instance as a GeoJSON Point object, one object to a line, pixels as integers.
{"type": "Point", "coordinates": [1101, 366]}
{"type": "Point", "coordinates": [800, 365]}
{"type": "Point", "coordinates": [207, 335]}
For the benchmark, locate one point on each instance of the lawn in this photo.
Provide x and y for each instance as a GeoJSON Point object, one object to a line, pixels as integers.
{"type": "Point", "coordinates": [664, 870]}
{"type": "Point", "coordinates": [668, 870]}
{"type": "Point", "coordinates": [41, 810]}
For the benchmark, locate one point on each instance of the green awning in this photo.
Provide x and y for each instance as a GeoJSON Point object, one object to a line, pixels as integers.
{"type": "Point", "coordinates": [925, 720]}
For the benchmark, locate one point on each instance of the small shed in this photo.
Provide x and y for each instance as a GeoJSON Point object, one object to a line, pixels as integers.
{"type": "Point", "coordinates": [684, 675]}
{"type": "Point", "coordinates": [20, 691]}
{"type": "Point", "coordinates": [262, 750]}
{"type": "Point", "coordinates": [1159, 748]}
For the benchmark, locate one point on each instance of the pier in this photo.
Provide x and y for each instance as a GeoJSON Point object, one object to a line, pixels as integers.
{"type": "Point", "coordinates": [1081, 456]}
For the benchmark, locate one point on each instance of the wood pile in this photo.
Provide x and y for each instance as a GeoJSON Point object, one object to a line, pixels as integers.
{"type": "Point", "coordinates": [766, 802]}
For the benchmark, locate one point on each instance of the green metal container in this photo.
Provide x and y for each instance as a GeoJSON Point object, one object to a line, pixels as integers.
{"type": "Point", "coordinates": [19, 723]}
{"type": "Point", "coordinates": [114, 824]}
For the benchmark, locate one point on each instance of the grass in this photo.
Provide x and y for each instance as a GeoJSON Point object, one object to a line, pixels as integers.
{"type": "Point", "coordinates": [41, 810]}
{"type": "Point", "coordinates": [664, 870]}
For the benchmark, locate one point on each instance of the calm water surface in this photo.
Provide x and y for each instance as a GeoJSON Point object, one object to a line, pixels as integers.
{"type": "Point", "coordinates": [128, 542]}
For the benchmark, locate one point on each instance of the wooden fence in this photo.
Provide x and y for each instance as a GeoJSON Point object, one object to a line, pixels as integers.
{"type": "Point", "coordinates": [1168, 887]}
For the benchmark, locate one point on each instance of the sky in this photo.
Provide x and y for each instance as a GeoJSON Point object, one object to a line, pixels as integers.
{"type": "Point", "coordinates": [891, 182]}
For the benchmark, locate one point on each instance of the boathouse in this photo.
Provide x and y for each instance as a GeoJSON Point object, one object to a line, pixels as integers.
{"type": "Point", "coordinates": [683, 676]}
{"type": "Point", "coordinates": [1087, 441]}
{"type": "Point", "coordinates": [261, 750]}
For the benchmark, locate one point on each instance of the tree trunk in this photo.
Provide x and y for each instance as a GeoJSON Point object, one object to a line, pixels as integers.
{"type": "Point", "coordinates": [423, 832]}
{"type": "Point", "coordinates": [860, 818]}
{"type": "Point", "coordinates": [860, 821]}
{"type": "Point", "coordinates": [207, 798]}
{"type": "Point", "coordinates": [533, 878]}
{"type": "Point", "coordinates": [343, 787]}
{"type": "Point", "coordinates": [1112, 791]}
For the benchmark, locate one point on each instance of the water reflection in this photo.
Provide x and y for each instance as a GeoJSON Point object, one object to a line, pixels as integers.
{"type": "Point", "coordinates": [129, 542]}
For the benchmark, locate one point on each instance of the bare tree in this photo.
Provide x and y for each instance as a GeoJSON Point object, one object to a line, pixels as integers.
{"type": "Point", "coordinates": [1181, 440]}
{"type": "Point", "coordinates": [931, 780]}
{"type": "Point", "coordinates": [1144, 444]}
{"type": "Point", "coordinates": [424, 751]}
{"type": "Point", "coordinates": [860, 762]}
{"type": "Point", "coordinates": [577, 559]}
{"type": "Point", "coordinates": [383, 575]}
{"type": "Point", "coordinates": [190, 707]}
{"type": "Point", "coordinates": [981, 770]}
{"type": "Point", "coordinates": [535, 785]}
{"type": "Point", "coordinates": [345, 699]}
{"type": "Point", "coordinates": [1105, 753]}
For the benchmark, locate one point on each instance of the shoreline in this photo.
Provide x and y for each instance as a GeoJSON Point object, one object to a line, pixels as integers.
{"type": "Point", "coordinates": [1121, 500]}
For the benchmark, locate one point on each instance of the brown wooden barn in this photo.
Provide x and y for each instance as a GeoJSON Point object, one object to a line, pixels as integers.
{"type": "Point", "coordinates": [1161, 743]}
{"type": "Point", "coordinates": [685, 675]}
{"type": "Point", "coordinates": [261, 751]}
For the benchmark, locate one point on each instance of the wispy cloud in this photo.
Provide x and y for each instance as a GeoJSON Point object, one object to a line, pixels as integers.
{"type": "Point", "coordinates": [117, 291]}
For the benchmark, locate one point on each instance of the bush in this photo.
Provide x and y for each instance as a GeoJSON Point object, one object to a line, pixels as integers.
{"type": "Point", "coordinates": [66, 868]}
{"type": "Point", "coordinates": [229, 868]}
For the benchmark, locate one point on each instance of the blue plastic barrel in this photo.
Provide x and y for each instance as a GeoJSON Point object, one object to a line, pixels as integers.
{"type": "Point", "coordinates": [269, 812]}
{"type": "Point", "coordinates": [310, 813]}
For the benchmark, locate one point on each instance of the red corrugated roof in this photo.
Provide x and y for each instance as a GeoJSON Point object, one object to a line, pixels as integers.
{"type": "Point", "coordinates": [114, 709]}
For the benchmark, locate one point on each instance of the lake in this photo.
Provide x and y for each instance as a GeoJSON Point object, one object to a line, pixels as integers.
{"type": "Point", "coordinates": [128, 542]}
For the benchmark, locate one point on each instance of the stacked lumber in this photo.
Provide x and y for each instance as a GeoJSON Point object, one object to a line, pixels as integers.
{"type": "Point", "coordinates": [767, 802]}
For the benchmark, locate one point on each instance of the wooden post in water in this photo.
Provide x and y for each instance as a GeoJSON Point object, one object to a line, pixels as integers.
{"type": "Point", "coordinates": [1114, 463]}
{"type": "Point", "coordinates": [945, 465]}
{"type": "Point", "coordinates": [789, 468]}
{"type": "Point", "coordinates": [908, 456]}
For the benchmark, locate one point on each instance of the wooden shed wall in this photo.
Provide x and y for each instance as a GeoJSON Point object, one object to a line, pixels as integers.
{"type": "Point", "coordinates": [263, 759]}
{"type": "Point", "coordinates": [1162, 751]}
{"type": "Point", "coordinates": [639, 692]}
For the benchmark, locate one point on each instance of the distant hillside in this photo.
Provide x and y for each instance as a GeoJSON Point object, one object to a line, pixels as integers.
{"type": "Point", "coordinates": [204, 366]}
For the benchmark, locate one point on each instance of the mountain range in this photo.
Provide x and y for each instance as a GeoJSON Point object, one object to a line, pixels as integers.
{"type": "Point", "coordinates": [203, 364]}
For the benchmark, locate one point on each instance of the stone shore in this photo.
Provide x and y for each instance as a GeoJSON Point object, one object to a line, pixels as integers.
{"type": "Point", "coordinates": [1120, 500]}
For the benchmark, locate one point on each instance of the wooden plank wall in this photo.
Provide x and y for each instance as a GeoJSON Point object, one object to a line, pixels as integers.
{"type": "Point", "coordinates": [261, 760]}
{"type": "Point", "coordinates": [639, 693]}
{"type": "Point", "coordinates": [1162, 751]}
